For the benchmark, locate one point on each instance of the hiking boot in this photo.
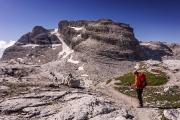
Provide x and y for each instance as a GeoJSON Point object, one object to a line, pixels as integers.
{"type": "Point", "coordinates": [140, 106]}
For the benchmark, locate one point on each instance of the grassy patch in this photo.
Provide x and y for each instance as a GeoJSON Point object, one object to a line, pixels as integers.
{"type": "Point", "coordinates": [152, 79]}
{"type": "Point", "coordinates": [155, 96]}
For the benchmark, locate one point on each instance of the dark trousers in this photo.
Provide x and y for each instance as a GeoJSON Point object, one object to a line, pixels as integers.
{"type": "Point", "coordinates": [139, 95]}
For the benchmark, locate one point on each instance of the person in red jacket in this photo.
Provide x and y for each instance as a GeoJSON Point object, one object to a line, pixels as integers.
{"type": "Point", "coordinates": [140, 84]}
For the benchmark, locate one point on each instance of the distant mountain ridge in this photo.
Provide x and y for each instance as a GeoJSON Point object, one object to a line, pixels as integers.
{"type": "Point", "coordinates": [102, 38]}
{"type": "Point", "coordinates": [116, 40]}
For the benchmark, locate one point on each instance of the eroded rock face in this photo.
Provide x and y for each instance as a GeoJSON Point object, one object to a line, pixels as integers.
{"type": "Point", "coordinates": [155, 50]}
{"type": "Point", "coordinates": [97, 47]}
{"type": "Point", "coordinates": [103, 38]}
{"type": "Point", "coordinates": [176, 50]}
{"type": "Point", "coordinates": [38, 46]}
{"type": "Point", "coordinates": [38, 36]}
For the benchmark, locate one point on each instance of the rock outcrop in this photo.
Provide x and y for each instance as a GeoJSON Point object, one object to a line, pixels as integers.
{"type": "Point", "coordinates": [89, 49]}
{"type": "Point", "coordinates": [102, 38]}
{"type": "Point", "coordinates": [38, 46]}
{"type": "Point", "coordinates": [155, 50]}
{"type": "Point", "coordinates": [43, 103]}
{"type": "Point", "coordinates": [176, 50]}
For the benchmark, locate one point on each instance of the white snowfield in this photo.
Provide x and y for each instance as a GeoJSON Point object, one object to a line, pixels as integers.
{"type": "Point", "coordinates": [66, 51]}
{"type": "Point", "coordinates": [153, 62]}
{"type": "Point", "coordinates": [77, 28]}
{"type": "Point", "coordinates": [72, 61]}
{"type": "Point", "coordinates": [84, 75]}
{"type": "Point", "coordinates": [77, 37]}
{"type": "Point", "coordinates": [30, 45]}
{"type": "Point", "coordinates": [148, 44]}
{"type": "Point", "coordinates": [54, 46]}
{"type": "Point", "coordinates": [81, 67]}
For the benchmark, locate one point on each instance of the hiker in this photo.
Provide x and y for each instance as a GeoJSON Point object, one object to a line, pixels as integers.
{"type": "Point", "coordinates": [139, 85]}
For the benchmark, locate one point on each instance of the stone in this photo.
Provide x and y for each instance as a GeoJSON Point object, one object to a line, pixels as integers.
{"type": "Point", "coordinates": [172, 114]}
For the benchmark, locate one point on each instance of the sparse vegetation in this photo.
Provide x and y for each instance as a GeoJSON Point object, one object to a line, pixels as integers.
{"type": "Point", "coordinates": [152, 79]}
{"type": "Point", "coordinates": [154, 94]}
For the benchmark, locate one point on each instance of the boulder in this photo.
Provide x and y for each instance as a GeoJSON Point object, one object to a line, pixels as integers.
{"type": "Point", "coordinates": [71, 81]}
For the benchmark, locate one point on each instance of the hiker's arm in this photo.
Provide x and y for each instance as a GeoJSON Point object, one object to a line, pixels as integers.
{"type": "Point", "coordinates": [135, 82]}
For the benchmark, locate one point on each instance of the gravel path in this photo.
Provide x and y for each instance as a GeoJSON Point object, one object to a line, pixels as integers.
{"type": "Point", "coordinates": [130, 103]}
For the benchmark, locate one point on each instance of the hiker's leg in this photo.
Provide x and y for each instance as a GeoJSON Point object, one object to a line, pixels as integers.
{"type": "Point", "coordinates": [139, 95]}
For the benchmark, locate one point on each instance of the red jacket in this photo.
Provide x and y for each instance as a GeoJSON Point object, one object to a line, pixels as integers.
{"type": "Point", "coordinates": [140, 81]}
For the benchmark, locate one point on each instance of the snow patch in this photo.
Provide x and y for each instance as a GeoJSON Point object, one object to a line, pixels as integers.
{"type": "Point", "coordinates": [72, 61]}
{"type": "Point", "coordinates": [148, 44]}
{"type": "Point", "coordinates": [54, 46]}
{"type": "Point", "coordinates": [66, 51]}
{"type": "Point", "coordinates": [153, 62]}
{"type": "Point", "coordinates": [120, 118]}
{"type": "Point", "coordinates": [77, 37]}
{"type": "Point", "coordinates": [30, 45]}
{"type": "Point", "coordinates": [81, 67]}
{"type": "Point", "coordinates": [77, 28]}
{"type": "Point", "coordinates": [20, 60]}
{"type": "Point", "coordinates": [84, 75]}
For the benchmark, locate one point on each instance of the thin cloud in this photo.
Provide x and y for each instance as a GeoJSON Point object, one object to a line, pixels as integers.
{"type": "Point", "coordinates": [4, 45]}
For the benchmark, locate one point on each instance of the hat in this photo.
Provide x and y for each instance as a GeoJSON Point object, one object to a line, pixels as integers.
{"type": "Point", "coordinates": [135, 72]}
{"type": "Point", "coordinates": [141, 71]}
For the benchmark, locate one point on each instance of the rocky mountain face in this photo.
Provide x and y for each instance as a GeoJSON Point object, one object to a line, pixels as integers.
{"type": "Point", "coordinates": [176, 50]}
{"type": "Point", "coordinates": [102, 38]}
{"type": "Point", "coordinates": [90, 49]}
{"type": "Point", "coordinates": [36, 46]}
{"type": "Point", "coordinates": [94, 49]}
{"type": "Point", "coordinates": [156, 50]}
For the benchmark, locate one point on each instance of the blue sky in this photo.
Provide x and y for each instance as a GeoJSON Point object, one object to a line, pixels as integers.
{"type": "Point", "coordinates": [151, 19]}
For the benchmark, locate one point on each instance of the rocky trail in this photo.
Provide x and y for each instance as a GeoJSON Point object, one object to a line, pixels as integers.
{"type": "Point", "coordinates": [130, 103]}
